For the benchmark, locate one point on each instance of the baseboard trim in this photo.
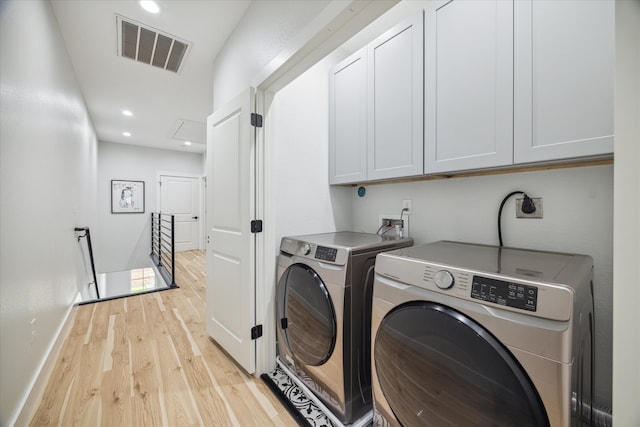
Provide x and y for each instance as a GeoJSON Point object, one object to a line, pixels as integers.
{"type": "Point", "coordinates": [32, 399]}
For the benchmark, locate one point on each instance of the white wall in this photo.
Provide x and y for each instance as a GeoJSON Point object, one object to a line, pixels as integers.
{"type": "Point", "coordinates": [123, 241]}
{"type": "Point", "coordinates": [47, 187]}
{"type": "Point", "coordinates": [266, 28]}
{"type": "Point", "coordinates": [304, 202]}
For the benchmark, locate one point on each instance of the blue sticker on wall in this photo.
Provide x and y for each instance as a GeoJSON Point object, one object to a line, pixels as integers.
{"type": "Point", "coordinates": [362, 191]}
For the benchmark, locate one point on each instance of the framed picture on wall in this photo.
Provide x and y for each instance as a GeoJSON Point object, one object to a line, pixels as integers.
{"type": "Point", "coordinates": [127, 196]}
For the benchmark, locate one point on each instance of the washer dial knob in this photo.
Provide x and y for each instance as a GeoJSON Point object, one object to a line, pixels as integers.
{"type": "Point", "coordinates": [306, 248]}
{"type": "Point", "coordinates": [443, 279]}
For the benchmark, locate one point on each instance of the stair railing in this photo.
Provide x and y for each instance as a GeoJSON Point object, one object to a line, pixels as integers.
{"type": "Point", "coordinates": [87, 234]}
{"type": "Point", "coordinates": [162, 246]}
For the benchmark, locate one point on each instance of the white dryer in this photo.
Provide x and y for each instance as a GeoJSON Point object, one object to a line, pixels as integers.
{"type": "Point", "coordinates": [473, 335]}
{"type": "Point", "coordinates": [323, 298]}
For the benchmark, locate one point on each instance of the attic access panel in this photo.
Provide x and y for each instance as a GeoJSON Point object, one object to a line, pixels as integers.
{"type": "Point", "coordinates": [150, 46]}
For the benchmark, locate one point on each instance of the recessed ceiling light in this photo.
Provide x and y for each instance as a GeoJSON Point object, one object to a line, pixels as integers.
{"type": "Point", "coordinates": [150, 6]}
{"type": "Point", "coordinates": [127, 113]}
{"type": "Point", "coordinates": [126, 133]}
{"type": "Point", "coordinates": [187, 143]}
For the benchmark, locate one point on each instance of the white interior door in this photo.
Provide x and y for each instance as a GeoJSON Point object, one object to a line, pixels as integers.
{"type": "Point", "coordinates": [230, 244]}
{"type": "Point", "coordinates": [179, 196]}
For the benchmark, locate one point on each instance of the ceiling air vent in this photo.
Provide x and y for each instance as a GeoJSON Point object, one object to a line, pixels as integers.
{"type": "Point", "coordinates": [147, 45]}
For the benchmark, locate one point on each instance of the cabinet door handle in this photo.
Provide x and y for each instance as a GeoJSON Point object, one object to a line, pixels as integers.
{"type": "Point", "coordinates": [194, 217]}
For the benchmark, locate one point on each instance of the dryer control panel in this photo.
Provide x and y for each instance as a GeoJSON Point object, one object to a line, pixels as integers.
{"type": "Point", "coordinates": [326, 254]}
{"type": "Point", "coordinates": [312, 251]}
{"type": "Point", "coordinates": [516, 295]}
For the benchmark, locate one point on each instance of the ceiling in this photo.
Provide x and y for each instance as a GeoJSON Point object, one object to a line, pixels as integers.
{"type": "Point", "coordinates": [168, 108]}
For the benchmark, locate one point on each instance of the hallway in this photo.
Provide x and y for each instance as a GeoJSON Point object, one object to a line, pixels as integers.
{"type": "Point", "coordinates": [147, 360]}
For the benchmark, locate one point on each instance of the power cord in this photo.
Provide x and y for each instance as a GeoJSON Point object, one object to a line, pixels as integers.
{"type": "Point", "coordinates": [386, 231]}
{"type": "Point", "coordinates": [383, 226]}
{"type": "Point", "coordinates": [528, 206]}
{"type": "Point", "coordinates": [402, 213]}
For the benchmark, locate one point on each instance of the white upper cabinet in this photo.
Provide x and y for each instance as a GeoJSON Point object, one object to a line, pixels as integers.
{"type": "Point", "coordinates": [504, 83]}
{"type": "Point", "coordinates": [395, 97]}
{"type": "Point", "coordinates": [468, 85]}
{"type": "Point", "coordinates": [376, 108]}
{"type": "Point", "coordinates": [564, 56]}
{"type": "Point", "coordinates": [348, 120]}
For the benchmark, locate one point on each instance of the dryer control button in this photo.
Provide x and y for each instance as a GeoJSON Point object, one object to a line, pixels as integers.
{"type": "Point", "coordinates": [443, 279]}
{"type": "Point", "coordinates": [305, 249]}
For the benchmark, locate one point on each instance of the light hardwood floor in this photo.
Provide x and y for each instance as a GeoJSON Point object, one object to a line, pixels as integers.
{"type": "Point", "coordinates": [147, 360]}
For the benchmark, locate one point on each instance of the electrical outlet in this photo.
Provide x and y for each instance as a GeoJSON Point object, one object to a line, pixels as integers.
{"type": "Point", "coordinates": [406, 204]}
{"type": "Point", "coordinates": [536, 214]}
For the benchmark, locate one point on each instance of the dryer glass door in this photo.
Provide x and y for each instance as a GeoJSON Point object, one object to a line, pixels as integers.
{"type": "Point", "coordinates": [307, 316]}
{"type": "Point", "coordinates": [437, 367]}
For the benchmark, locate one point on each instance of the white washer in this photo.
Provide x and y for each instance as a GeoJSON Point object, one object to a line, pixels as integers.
{"type": "Point", "coordinates": [466, 335]}
{"type": "Point", "coordinates": [323, 299]}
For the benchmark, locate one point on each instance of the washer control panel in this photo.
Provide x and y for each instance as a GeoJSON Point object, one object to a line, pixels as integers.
{"type": "Point", "coordinates": [530, 283]}
{"type": "Point", "coordinates": [516, 295]}
{"type": "Point", "coordinates": [326, 254]}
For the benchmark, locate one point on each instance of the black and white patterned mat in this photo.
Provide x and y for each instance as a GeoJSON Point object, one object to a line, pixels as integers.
{"type": "Point", "coordinates": [301, 407]}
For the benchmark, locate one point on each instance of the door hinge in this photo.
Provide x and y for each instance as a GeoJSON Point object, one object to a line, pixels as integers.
{"type": "Point", "coordinates": [256, 120]}
{"type": "Point", "coordinates": [256, 226]}
{"type": "Point", "coordinates": [284, 323]}
{"type": "Point", "coordinates": [256, 332]}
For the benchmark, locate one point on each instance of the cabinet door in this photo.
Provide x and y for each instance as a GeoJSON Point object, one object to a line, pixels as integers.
{"type": "Point", "coordinates": [348, 120]}
{"type": "Point", "coordinates": [564, 56]}
{"type": "Point", "coordinates": [469, 85]}
{"type": "Point", "coordinates": [395, 137]}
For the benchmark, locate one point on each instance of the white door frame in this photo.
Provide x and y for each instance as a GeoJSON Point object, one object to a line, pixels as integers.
{"type": "Point", "coordinates": [203, 212]}
{"type": "Point", "coordinates": [265, 242]}
{"type": "Point", "coordinates": [201, 200]}
{"type": "Point", "coordinates": [334, 26]}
